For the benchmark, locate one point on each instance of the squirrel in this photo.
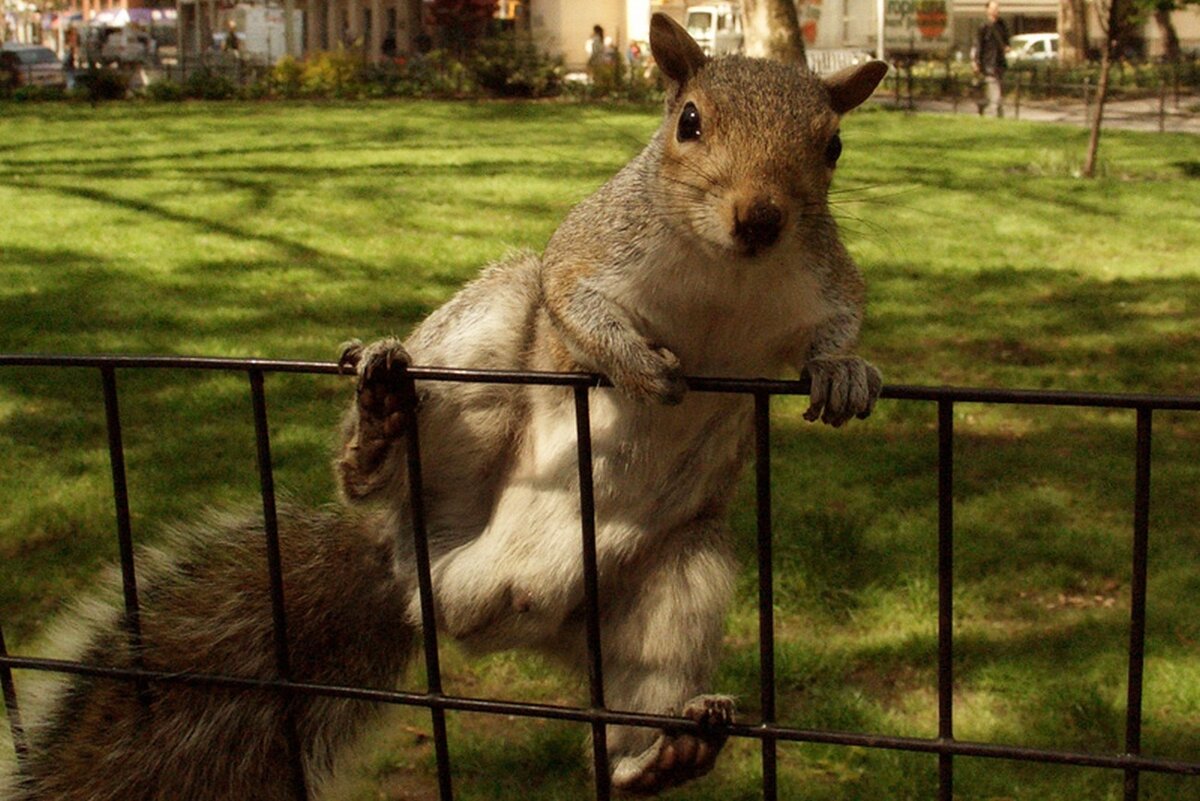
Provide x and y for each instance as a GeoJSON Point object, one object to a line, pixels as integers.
{"type": "Point", "coordinates": [711, 253]}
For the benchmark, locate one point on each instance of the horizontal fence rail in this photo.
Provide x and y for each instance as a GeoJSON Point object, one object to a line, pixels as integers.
{"type": "Point", "coordinates": [1132, 762]}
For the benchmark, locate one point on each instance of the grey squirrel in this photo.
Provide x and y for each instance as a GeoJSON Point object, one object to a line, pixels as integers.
{"type": "Point", "coordinates": [711, 253]}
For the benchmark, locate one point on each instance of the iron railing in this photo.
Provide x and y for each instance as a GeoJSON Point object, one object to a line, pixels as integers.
{"type": "Point", "coordinates": [767, 730]}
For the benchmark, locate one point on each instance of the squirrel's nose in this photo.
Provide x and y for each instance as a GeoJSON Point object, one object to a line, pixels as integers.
{"type": "Point", "coordinates": [758, 226]}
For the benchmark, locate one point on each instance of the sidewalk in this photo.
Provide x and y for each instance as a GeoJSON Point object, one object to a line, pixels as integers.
{"type": "Point", "coordinates": [1134, 115]}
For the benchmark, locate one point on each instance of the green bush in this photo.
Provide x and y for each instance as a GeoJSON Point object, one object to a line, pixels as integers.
{"type": "Point", "coordinates": [206, 84]}
{"type": "Point", "coordinates": [334, 74]}
{"type": "Point", "coordinates": [510, 65]}
{"type": "Point", "coordinates": [103, 84]}
{"type": "Point", "coordinates": [163, 91]}
{"type": "Point", "coordinates": [24, 94]}
{"type": "Point", "coordinates": [287, 77]}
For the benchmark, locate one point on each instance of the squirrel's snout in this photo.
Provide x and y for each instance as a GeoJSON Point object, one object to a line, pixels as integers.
{"type": "Point", "coordinates": [758, 226]}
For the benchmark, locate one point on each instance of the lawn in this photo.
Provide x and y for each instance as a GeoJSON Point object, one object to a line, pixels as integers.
{"type": "Point", "coordinates": [280, 230]}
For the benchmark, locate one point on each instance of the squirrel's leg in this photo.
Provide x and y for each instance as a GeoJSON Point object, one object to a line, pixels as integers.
{"type": "Point", "coordinates": [601, 333]}
{"type": "Point", "coordinates": [661, 641]}
{"type": "Point", "coordinates": [370, 459]}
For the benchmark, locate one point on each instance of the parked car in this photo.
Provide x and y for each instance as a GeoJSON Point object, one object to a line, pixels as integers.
{"type": "Point", "coordinates": [716, 28]}
{"type": "Point", "coordinates": [1033, 47]}
{"type": "Point", "coordinates": [35, 65]}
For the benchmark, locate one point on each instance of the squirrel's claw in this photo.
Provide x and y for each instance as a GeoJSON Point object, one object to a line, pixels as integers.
{"type": "Point", "coordinates": [351, 354]}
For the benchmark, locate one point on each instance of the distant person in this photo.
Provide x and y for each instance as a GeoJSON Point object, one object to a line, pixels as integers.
{"type": "Point", "coordinates": [231, 38]}
{"type": "Point", "coordinates": [990, 62]}
{"type": "Point", "coordinates": [595, 48]}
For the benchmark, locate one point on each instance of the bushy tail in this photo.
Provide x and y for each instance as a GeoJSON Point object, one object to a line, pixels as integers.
{"type": "Point", "coordinates": [205, 608]}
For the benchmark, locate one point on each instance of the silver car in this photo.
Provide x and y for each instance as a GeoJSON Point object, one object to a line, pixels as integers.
{"type": "Point", "coordinates": [35, 65]}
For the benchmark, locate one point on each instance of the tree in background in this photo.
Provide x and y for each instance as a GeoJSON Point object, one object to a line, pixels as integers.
{"type": "Point", "coordinates": [1117, 19]}
{"type": "Point", "coordinates": [772, 30]}
{"type": "Point", "coordinates": [1072, 30]}
{"type": "Point", "coordinates": [460, 23]}
{"type": "Point", "coordinates": [1161, 11]}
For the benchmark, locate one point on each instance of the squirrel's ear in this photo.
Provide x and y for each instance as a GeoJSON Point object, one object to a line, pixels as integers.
{"type": "Point", "coordinates": [848, 88]}
{"type": "Point", "coordinates": [675, 52]}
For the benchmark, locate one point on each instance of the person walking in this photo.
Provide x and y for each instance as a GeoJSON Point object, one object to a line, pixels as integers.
{"type": "Point", "coordinates": [990, 46]}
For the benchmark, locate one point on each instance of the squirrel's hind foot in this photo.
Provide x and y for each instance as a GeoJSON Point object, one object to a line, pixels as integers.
{"type": "Point", "coordinates": [678, 757]}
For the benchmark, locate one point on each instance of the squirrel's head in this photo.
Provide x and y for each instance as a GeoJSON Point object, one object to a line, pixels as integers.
{"type": "Point", "coordinates": [748, 145]}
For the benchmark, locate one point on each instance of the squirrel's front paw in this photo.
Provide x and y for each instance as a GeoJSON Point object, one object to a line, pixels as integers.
{"type": "Point", "coordinates": [842, 387]}
{"type": "Point", "coordinates": [656, 376]}
{"type": "Point", "coordinates": [380, 367]}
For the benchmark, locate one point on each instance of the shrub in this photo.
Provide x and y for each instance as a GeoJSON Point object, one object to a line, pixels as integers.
{"type": "Point", "coordinates": [163, 91]}
{"type": "Point", "coordinates": [207, 84]}
{"type": "Point", "coordinates": [24, 94]}
{"type": "Point", "coordinates": [510, 65]}
{"type": "Point", "coordinates": [333, 74]}
{"type": "Point", "coordinates": [103, 84]}
{"type": "Point", "coordinates": [287, 77]}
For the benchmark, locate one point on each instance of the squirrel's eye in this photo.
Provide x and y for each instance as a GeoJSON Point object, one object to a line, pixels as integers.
{"type": "Point", "coordinates": [833, 150]}
{"type": "Point", "coordinates": [689, 124]}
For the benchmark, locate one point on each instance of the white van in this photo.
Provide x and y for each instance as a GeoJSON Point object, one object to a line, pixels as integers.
{"type": "Point", "coordinates": [1033, 47]}
{"type": "Point", "coordinates": [716, 28]}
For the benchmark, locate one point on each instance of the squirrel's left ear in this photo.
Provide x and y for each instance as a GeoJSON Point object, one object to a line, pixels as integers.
{"type": "Point", "coordinates": [848, 88]}
{"type": "Point", "coordinates": [675, 52]}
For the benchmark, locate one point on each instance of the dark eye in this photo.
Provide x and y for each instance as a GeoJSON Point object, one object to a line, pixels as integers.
{"type": "Point", "coordinates": [833, 150]}
{"type": "Point", "coordinates": [689, 124]}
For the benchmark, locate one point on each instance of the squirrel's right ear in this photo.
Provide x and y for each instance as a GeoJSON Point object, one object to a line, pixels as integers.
{"type": "Point", "coordinates": [675, 52]}
{"type": "Point", "coordinates": [848, 88]}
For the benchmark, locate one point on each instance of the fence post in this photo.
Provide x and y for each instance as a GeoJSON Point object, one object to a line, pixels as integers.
{"type": "Point", "coordinates": [1162, 103]}
{"type": "Point", "coordinates": [420, 542]}
{"type": "Point", "coordinates": [1137, 600]}
{"type": "Point", "coordinates": [945, 428]}
{"type": "Point", "coordinates": [766, 589]}
{"type": "Point", "coordinates": [591, 590]}
{"type": "Point", "coordinates": [116, 455]}
{"type": "Point", "coordinates": [266, 479]}
{"type": "Point", "coordinates": [10, 704]}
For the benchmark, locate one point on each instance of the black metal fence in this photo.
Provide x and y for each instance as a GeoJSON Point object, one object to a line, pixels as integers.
{"type": "Point", "coordinates": [1131, 761]}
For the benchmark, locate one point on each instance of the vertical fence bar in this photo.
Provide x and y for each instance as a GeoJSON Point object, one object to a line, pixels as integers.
{"type": "Point", "coordinates": [116, 453]}
{"type": "Point", "coordinates": [433, 668]}
{"type": "Point", "coordinates": [591, 589]}
{"type": "Point", "coordinates": [10, 703]}
{"type": "Point", "coordinates": [945, 595]}
{"type": "Point", "coordinates": [275, 573]}
{"type": "Point", "coordinates": [1137, 600]}
{"type": "Point", "coordinates": [766, 588]}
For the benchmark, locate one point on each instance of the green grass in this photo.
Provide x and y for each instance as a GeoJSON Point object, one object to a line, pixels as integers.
{"type": "Point", "coordinates": [280, 230]}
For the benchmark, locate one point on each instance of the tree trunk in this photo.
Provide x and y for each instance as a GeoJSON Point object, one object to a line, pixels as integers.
{"type": "Point", "coordinates": [1072, 27]}
{"type": "Point", "coordinates": [1112, 32]}
{"type": "Point", "coordinates": [1162, 16]}
{"type": "Point", "coordinates": [772, 30]}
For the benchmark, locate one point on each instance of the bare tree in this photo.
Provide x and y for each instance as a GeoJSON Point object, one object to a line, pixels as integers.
{"type": "Point", "coordinates": [1110, 25]}
{"type": "Point", "coordinates": [772, 30]}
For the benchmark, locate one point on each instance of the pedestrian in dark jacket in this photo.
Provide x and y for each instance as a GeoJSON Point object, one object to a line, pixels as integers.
{"type": "Point", "coordinates": [990, 45]}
